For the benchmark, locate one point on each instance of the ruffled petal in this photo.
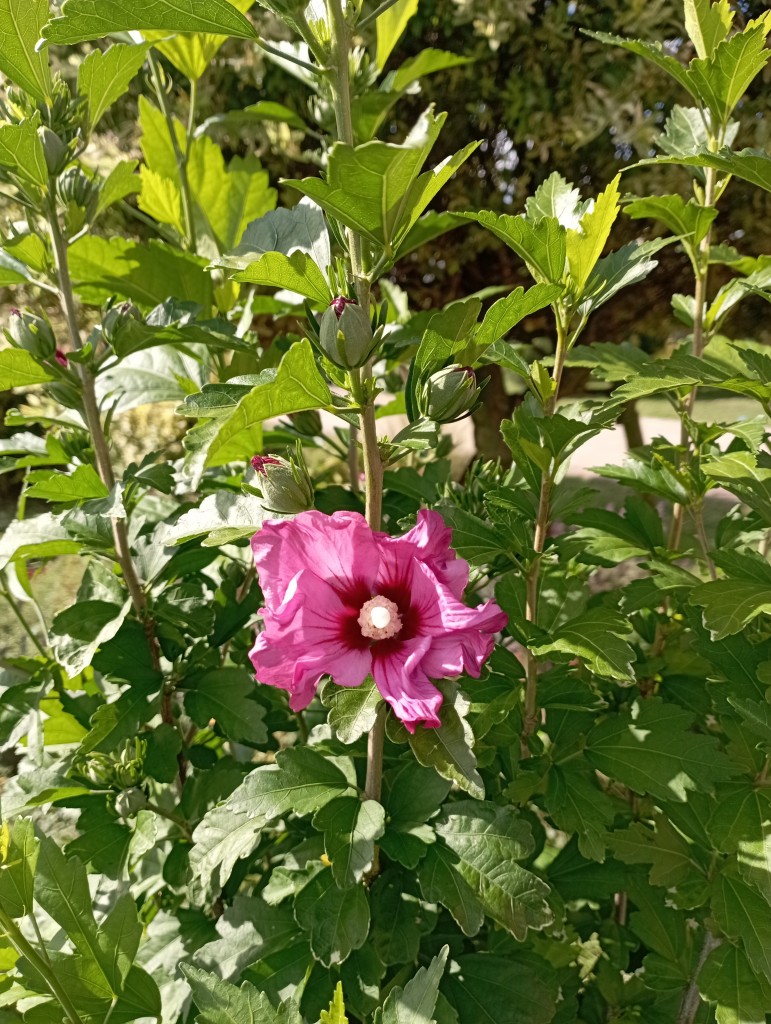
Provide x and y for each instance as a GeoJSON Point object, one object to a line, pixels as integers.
{"type": "Point", "coordinates": [400, 678]}
{"type": "Point", "coordinates": [430, 542]}
{"type": "Point", "coordinates": [305, 638]}
{"type": "Point", "coordinates": [340, 549]}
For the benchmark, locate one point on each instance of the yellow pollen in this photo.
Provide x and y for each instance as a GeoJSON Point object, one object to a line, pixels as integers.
{"type": "Point", "coordinates": [379, 619]}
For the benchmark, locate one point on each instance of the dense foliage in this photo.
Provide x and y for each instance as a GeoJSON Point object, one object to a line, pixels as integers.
{"type": "Point", "coordinates": [585, 835]}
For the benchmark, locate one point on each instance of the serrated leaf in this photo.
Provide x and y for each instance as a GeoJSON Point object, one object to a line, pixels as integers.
{"type": "Point", "coordinates": [80, 485]}
{"type": "Point", "coordinates": [390, 26]}
{"type": "Point", "coordinates": [415, 1004]}
{"type": "Point", "coordinates": [350, 828]}
{"type": "Point", "coordinates": [543, 245]}
{"type": "Point", "coordinates": [729, 604]}
{"type": "Point", "coordinates": [301, 781]}
{"type": "Point", "coordinates": [105, 75]}
{"type": "Point", "coordinates": [220, 1002]}
{"type": "Point", "coordinates": [298, 385]}
{"type": "Point", "coordinates": [441, 882]}
{"type": "Point", "coordinates": [336, 1012]}
{"type": "Point", "coordinates": [585, 244]}
{"type": "Point", "coordinates": [654, 750]}
{"type": "Point", "coordinates": [301, 228]}
{"type": "Point", "coordinates": [21, 151]}
{"type": "Point", "coordinates": [81, 19]}
{"type": "Point", "coordinates": [520, 988]}
{"type": "Point", "coordinates": [119, 183]}
{"type": "Point", "coordinates": [352, 709]}
{"type": "Point", "coordinates": [508, 311]}
{"type": "Point", "coordinates": [191, 53]}
{"type": "Point", "coordinates": [742, 913]}
{"type": "Point", "coordinates": [449, 748]}
{"type": "Point", "coordinates": [21, 22]}
{"type": "Point", "coordinates": [663, 847]}
{"type": "Point", "coordinates": [222, 517]}
{"type": "Point", "coordinates": [224, 695]}
{"type": "Point", "coordinates": [297, 273]}
{"type": "Point", "coordinates": [595, 636]}
{"type": "Point", "coordinates": [689, 221]}
{"type": "Point", "coordinates": [653, 52]}
{"type": "Point", "coordinates": [488, 841]}
{"type": "Point", "coordinates": [753, 165]}
{"type": "Point", "coordinates": [721, 79]}
{"type": "Point", "coordinates": [728, 980]}
{"type": "Point", "coordinates": [707, 24]}
{"type": "Point", "coordinates": [337, 920]}
{"type": "Point", "coordinates": [579, 806]}
{"type": "Point", "coordinates": [17, 870]}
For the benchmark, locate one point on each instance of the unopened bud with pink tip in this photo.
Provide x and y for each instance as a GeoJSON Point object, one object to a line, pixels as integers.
{"type": "Point", "coordinates": [345, 334]}
{"type": "Point", "coordinates": [31, 332]}
{"type": "Point", "coordinates": [285, 484]}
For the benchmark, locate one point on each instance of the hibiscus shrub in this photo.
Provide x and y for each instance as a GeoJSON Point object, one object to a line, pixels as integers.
{"type": "Point", "coordinates": [336, 729]}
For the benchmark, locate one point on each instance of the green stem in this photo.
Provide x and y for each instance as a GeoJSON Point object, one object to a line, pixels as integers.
{"type": "Point", "coordinates": [180, 155]}
{"type": "Point", "coordinates": [25, 948]}
{"type": "Point", "coordinates": [373, 464]}
{"type": "Point", "coordinates": [699, 342]}
{"type": "Point", "coordinates": [180, 822]}
{"type": "Point", "coordinates": [542, 518]}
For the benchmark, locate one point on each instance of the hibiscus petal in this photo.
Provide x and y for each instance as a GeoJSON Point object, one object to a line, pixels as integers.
{"type": "Point", "coordinates": [430, 542]}
{"type": "Point", "coordinates": [340, 549]}
{"type": "Point", "coordinates": [400, 678]}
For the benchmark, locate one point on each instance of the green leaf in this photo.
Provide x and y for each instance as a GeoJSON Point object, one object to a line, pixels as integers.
{"type": "Point", "coordinates": [542, 245]}
{"type": "Point", "coordinates": [297, 272]}
{"type": "Point", "coordinates": [21, 22]}
{"type": "Point", "coordinates": [336, 1012]}
{"type": "Point", "coordinates": [103, 846]}
{"type": "Point", "coordinates": [225, 695]}
{"type": "Point", "coordinates": [508, 311]}
{"type": "Point", "coordinates": [377, 188]}
{"type": "Point", "coordinates": [520, 988]}
{"type": "Point", "coordinates": [441, 882]}
{"type": "Point", "coordinates": [390, 27]}
{"type": "Point", "coordinates": [80, 485]}
{"type": "Point", "coordinates": [190, 53]}
{"type": "Point", "coordinates": [664, 848]}
{"type": "Point", "coordinates": [427, 62]}
{"type": "Point", "coordinates": [585, 244]}
{"type": "Point", "coordinates": [146, 274]}
{"type": "Point", "coordinates": [301, 781]}
{"type": "Point", "coordinates": [17, 869]}
{"type": "Point", "coordinates": [301, 228]}
{"type": "Point", "coordinates": [654, 750]}
{"type": "Point", "coordinates": [707, 24]}
{"type": "Point", "coordinates": [337, 919]}
{"type": "Point", "coordinates": [742, 913]}
{"type": "Point", "coordinates": [350, 828]}
{"type": "Point", "coordinates": [219, 1002]}
{"type": "Point", "coordinates": [721, 80]}
{"type": "Point", "coordinates": [119, 720]}
{"type": "Point", "coordinates": [579, 806]}
{"type": "Point", "coordinates": [22, 152]}
{"type": "Point", "coordinates": [729, 604]}
{"type": "Point", "coordinates": [253, 113]}
{"type": "Point", "coordinates": [653, 52]}
{"type": "Point", "coordinates": [415, 1004]}
{"type": "Point", "coordinates": [449, 748]}
{"type": "Point", "coordinates": [78, 631]}
{"type": "Point", "coordinates": [688, 221]}
{"type": "Point", "coordinates": [555, 197]}
{"type": "Point", "coordinates": [43, 536]}
{"type": "Point", "coordinates": [81, 19]}
{"type": "Point", "coordinates": [728, 980]}
{"type": "Point", "coordinates": [19, 370]}
{"type": "Point", "coordinates": [298, 385]}
{"type": "Point", "coordinates": [753, 165]}
{"type": "Point", "coordinates": [488, 841]}
{"type": "Point", "coordinates": [119, 183]}
{"type": "Point", "coordinates": [222, 517]}
{"type": "Point", "coordinates": [352, 709]}
{"type": "Point", "coordinates": [595, 636]}
{"type": "Point", "coordinates": [105, 75]}
{"type": "Point", "coordinates": [234, 198]}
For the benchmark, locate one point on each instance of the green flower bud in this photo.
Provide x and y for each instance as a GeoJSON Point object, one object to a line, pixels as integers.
{"type": "Point", "coordinates": [32, 333]}
{"type": "Point", "coordinates": [307, 423]}
{"type": "Point", "coordinates": [285, 483]}
{"type": "Point", "coordinates": [130, 802]}
{"type": "Point", "coordinates": [116, 316]}
{"type": "Point", "coordinates": [97, 769]}
{"type": "Point", "coordinates": [345, 334]}
{"type": "Point", "coordinates": [75, 187]}
{"type": "Point", "coordinates": [449, 394]}
{"type": "Point", "coordinates": [56, 153]}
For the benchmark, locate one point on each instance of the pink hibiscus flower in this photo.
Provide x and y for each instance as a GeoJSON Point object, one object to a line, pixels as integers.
{"type": "Point", "coordinates": [344, 601]}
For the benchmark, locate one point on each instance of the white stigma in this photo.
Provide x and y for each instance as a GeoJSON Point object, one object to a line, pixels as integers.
{"type": "Point", "coordinates": [379, 619]}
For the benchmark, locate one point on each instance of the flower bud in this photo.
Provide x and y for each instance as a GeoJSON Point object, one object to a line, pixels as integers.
{"type": "Point", "coordinates": [345, 334]}
{"type": "Point", "coordinates": [115, 317]}
{"type": "Point", "coordinates": [32, 333]}
{"type": "Point", "coordinates": [285, 483]}
{"type": "Point", "coordinates": [307, 423]}
{"type": "Point", "coordinates": [130, 802]}
{"type": "Point", "coordinates": [449, 394]}
{"type": "Point", "coordinates": [54, 150]}
{"type": "Point", "coordinates": [75, 187]}
{"type": "Point", "coordinates": [97, 769]}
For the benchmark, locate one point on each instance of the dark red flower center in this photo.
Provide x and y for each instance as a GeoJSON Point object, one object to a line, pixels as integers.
{"type": "Point", "coordinates": [259, 462]}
